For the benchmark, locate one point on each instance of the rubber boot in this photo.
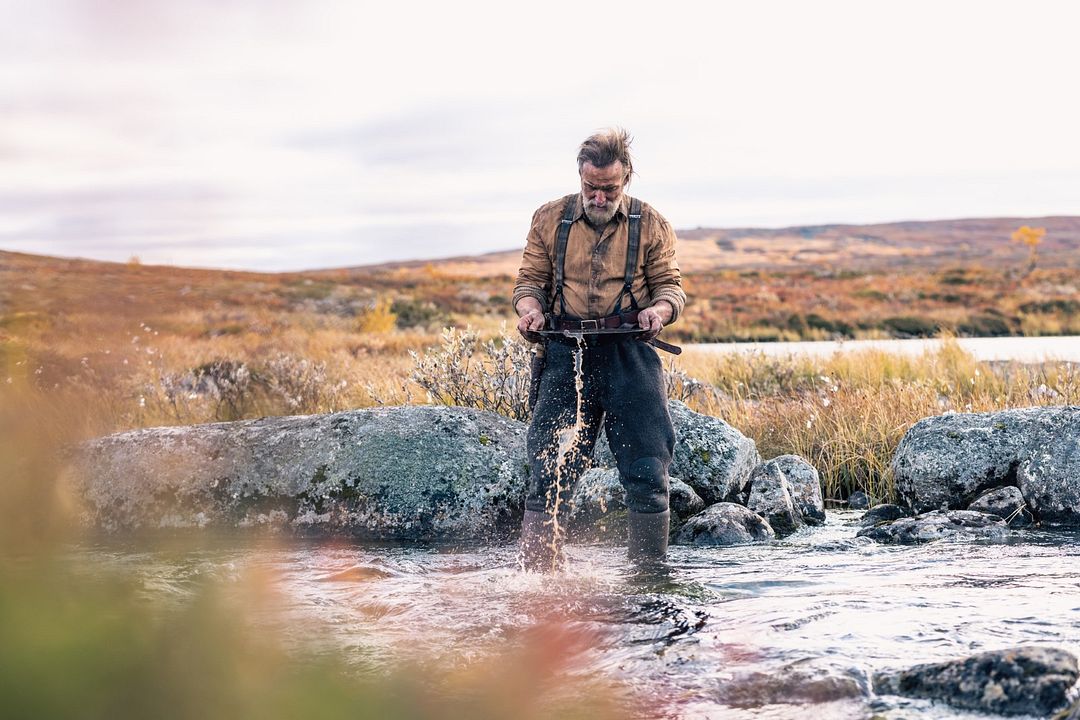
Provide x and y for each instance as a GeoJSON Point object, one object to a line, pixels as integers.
{"type": "Point", "coordinates": [647, 535]}
{"type": "Point", "coordinates": [541, 551]}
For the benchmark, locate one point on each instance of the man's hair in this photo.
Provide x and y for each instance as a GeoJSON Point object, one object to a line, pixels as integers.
{"type": "Point", "coordinates": [604, 147]}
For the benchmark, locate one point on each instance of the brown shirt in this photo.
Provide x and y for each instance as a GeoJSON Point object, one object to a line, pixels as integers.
{"type": "Point", "coordinates": [596, 262]}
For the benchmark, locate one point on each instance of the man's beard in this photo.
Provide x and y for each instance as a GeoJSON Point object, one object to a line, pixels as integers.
{"type": "Point", "coordinates": [599, 217]}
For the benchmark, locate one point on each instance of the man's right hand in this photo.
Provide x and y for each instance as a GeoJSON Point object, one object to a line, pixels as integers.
{"type": "Point", "coordinates": [530, 323]}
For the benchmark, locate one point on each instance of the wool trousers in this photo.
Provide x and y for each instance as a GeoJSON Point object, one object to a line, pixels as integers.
{"type": "Point", "coordinates": [623, 392]}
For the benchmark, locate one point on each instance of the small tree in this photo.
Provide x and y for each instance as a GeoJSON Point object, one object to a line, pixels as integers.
{"type": "Point", "coordinates": [1031, 237]}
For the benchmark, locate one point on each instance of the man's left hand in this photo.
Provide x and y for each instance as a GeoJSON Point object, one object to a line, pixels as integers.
{"type": "Point", "coordinates": [652, 319]}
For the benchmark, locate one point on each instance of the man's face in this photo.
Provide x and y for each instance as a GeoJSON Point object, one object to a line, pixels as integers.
{"type": "Point", "coordinates": [601, 191]}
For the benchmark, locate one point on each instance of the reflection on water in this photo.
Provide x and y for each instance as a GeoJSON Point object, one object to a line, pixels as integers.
{"type": "Point", "coordinates": [679, 633]}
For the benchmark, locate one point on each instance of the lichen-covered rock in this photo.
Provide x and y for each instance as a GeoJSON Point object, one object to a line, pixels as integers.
{"type": "Point", "coordinates": [882, 513]}
{"type": "Point", "coordinates": [949, 460]}
{"type": "Point", "coordinates": [725, 524]}
{"type": "Point", "coordinates": [770, 497]}
{"type": "Point", "coordinates": [712, 457]}
{"type": "Point", "coordinates": [392, 472]}
{"type": "Point", "coordinates": [1005, 502]}
{"type": "Point", "coordinates": [804, 484]}
{"type": "Point", "coordinates": [598, 506]}
{"type": "Point", "coordinates": [805, 682]}
{"type": "Point", "coordinates": [938, 525]}
{"type": "Point", "coordinates": [1049, 473]}
{"type": "Point", "coordinates": [1019, 681]}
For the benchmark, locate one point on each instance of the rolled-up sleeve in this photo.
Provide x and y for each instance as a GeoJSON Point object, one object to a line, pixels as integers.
{"type": "Point", "coordinates": [662, 269]}
{"type": "Point", "coordinates": [534, 277]}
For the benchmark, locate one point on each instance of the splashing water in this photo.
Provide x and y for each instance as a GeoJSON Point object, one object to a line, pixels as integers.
{"type": "Point", "coordinates": [569, 442]}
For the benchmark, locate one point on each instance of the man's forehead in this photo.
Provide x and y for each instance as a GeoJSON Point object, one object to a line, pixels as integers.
{"type": "Point", "coordinates": [612, 173]}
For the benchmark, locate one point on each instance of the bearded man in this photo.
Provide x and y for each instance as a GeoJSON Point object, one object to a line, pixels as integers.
{"type": "Point", "coordinates": [598, 259]}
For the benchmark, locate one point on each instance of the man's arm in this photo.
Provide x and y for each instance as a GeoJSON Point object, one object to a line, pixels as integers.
{"type": "Point", "coordinates": [664, 279]}
{"type": "Point", "coordinates": [533, 279]}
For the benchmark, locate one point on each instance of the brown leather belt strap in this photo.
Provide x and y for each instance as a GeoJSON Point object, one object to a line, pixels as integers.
{"type": "Point", "coordinates": [605, 323]}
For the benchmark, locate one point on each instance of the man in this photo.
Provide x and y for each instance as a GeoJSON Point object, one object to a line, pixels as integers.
{"type": "Point", "coordinates": [598, 280]}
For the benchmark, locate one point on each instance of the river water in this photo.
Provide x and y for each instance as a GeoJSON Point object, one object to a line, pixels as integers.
{"type": "Point", "coordinates": [1022, 349]}
{"type": "Point", "coordinates": [676, 638]}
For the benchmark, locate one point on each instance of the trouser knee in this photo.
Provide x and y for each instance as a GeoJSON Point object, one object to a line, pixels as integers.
{"type": "Point", "coordinates": [647, 486]}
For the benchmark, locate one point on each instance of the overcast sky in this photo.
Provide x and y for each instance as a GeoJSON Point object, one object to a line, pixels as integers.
{"type": "Point", "coordinates": [282, 135]}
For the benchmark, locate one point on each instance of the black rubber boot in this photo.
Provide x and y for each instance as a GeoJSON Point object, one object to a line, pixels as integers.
{"type": "Point", "coordinates": [541, 550]}
{"type": "Point", "coordinates": [647, 535]}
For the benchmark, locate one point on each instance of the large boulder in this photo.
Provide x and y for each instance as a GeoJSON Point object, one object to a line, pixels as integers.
{"type": "Point", "coordinates": [949, 460]}
{"type": "Point", "coordinates": [1019, 681]}
{"type": "Point", "coordinates": [392, 473]}
{"type": "Point", "coordinates": [725, 524]}
{"type": "Point", "coordinates": [884, 512]}
{"type": "Point", "coordinates": [938, 525]}
{"type": "Point", "coordinates": [711, 456]}
{"type": "Point", "coordinates": [598, 506]}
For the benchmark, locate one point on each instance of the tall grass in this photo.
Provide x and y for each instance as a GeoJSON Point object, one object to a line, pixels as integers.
{"type": "Point", "coordinates": [847, 413]}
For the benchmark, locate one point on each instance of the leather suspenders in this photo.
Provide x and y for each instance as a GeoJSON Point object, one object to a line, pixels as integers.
{"type": "Point", "coordinates": [632, 247]}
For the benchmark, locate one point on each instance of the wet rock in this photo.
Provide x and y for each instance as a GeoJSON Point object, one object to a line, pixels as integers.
{"type": "Point", "coordinates": [805, 487]}
{"type": "Point", "coordinates": [392, 473]}
{"type": "Point", "coordinates": [712, 457]}
{"type": "Point", "coordinates": [725, 524]}
{"type": "Point", "coordinates": [770, 497]}
{"type": "Point", "coordinates": [882, 513]}
{"type": "Point", "coordinates": [598, 506]}
{"type": "Point", "coordinates": [949, 460]}
{"type": "Point", "coordinates": [858, 500]}
{"type": "Point", "coordinates": [1005, 502]}
{"type": "Point", "coordinates": [1018, 681]}
{"type": "Point", "coordinates": [938, 525]}
{"type": "Point", "coordinates": [807, 682]}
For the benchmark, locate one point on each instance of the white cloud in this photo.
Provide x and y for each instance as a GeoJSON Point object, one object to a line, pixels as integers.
{"type": "Point", "coordinates": [336, 127]}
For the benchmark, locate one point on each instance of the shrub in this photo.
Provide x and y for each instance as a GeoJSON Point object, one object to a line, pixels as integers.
{"type": "Point", "coordinates": [910, 326]}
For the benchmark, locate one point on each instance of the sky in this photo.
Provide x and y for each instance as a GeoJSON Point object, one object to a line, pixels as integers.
{"type": "Point", "coordinates": [274, 135]}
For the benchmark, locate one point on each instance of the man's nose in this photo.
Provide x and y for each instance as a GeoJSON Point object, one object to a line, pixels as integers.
{"type": "Point", "coordinates": [599, 197]}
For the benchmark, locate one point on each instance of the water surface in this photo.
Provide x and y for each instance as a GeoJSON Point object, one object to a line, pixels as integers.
{"type": "Point", "coordinates": [677, 637]}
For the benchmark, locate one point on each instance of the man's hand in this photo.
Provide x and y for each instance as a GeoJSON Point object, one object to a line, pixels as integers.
{"type": "Point", "coordinates": [652, 319]}
{"type": "Point", "coordinates": [532, 319]}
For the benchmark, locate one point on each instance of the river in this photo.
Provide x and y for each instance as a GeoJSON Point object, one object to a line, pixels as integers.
{"type": "Point", "coordinates": [676, 637]}
{"type": "Point", "coordinates": [1022, 349]}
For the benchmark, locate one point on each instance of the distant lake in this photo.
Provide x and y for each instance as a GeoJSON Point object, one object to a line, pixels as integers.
{"type": "Point", "coordinates": [1023, 349]}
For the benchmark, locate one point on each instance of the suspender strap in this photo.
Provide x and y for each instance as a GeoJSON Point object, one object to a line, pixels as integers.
{"type": "Point", "coordinates": [633, 243]}
{"type": "Point", "coordinates": [560, 248]}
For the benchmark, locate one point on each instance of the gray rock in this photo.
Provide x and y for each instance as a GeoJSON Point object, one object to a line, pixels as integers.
{"type": "Point", "coordinates": [1005, 502]}
{"type": "Point", "coordinates": [806, 682]}
{"type": "Point", "coordinates": [725, 524]}
{"type": "Point", "coordinates": [712, 457]}
{"type": "Point", "coordinates": [1019, 681]}
{"type": "Point", "coordinates": [770, 497]}
{"type": "Point", "coordinates": [393, 472]}
{"type": "Point", "coordinates": [882, 513]}
{"type": "Point", "coordinates": [938, 525]}
{"type": "Point", "coordinates": [949, 460]}
{"type": "Point", "coordinates": [858, 500]}
{"type": "Point", "coordinates": [805, 487]}
{"type": "Point", "coordinates": [598, 506]}
{"type": "Point", "coordinates": [1049, 474]}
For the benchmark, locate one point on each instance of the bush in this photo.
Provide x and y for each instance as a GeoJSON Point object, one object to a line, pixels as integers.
{"type": "Point", "coordinates": [493, 375]}
{"type": "Point", "coordinates": [910, 326]}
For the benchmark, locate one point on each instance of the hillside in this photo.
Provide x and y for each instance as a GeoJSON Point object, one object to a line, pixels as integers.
{"type": "Point", "coordinates": [911, 244]}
